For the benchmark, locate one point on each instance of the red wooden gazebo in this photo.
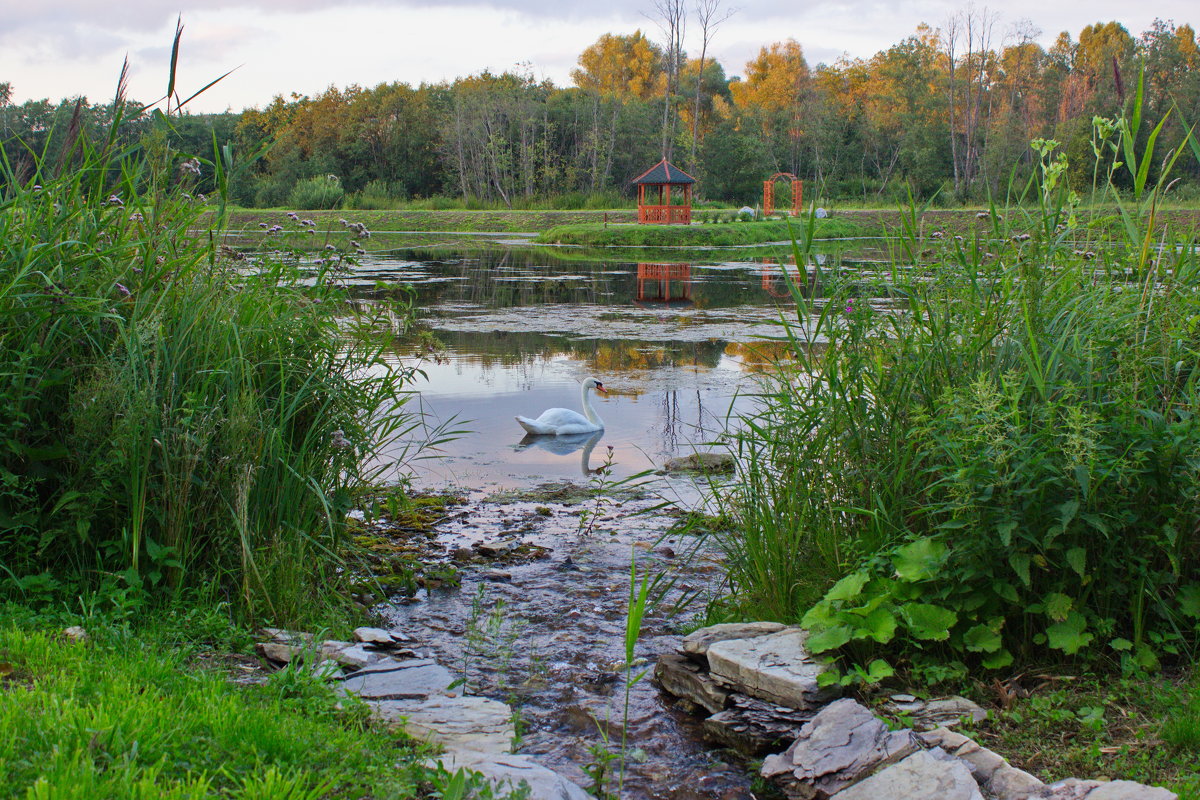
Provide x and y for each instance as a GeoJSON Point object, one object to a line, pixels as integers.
{"type": "Point", "coordinates": [663, 176]}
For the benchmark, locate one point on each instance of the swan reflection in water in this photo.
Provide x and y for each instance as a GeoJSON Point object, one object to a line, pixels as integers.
{"type": "Point", "coordinates": [565, 445]}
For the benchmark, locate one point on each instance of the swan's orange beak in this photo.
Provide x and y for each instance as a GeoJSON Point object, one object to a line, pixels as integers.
{"type": "Point", "coordinates": [600, 388]}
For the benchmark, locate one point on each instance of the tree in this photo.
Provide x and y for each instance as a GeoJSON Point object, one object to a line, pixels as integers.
{"type": "Point", "coordinates": [710, 17]}
{"type": "Point", "coordinates": [672, 19]}
{"type": "Point", "coordinates": [621, 67]}
{"type": "Point", "coordinates": [777, 81]}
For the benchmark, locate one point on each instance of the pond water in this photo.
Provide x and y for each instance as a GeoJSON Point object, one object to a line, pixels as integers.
{"type": "Point", "coordinates": [676, 345]}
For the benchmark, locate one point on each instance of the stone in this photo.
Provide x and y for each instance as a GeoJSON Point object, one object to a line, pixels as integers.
{"type": "Point", "coordinates": [1069, 789]}
{"type": "Point", "coordinates": [497, 575]}
{"type": "Point", "coordinates": [841, 745]}
{"type": "Point", "coordinates": [924, 774]}
{"type": "Point", "coordinates": [277, 652]}
{"type": "Point", "coordinates": [982, 762]}
{"type": "Point", "coordinates": [774, 667]}
{"type": "Point", "coordinates": [496, 549]}
{"type": "Point", "coordinates": [1010, 783]}
{"type": "Point", "coordinates": [374, 636]}
{"type": "Point", "coordinates": [681, 677]}
{"type": "Point", "coordinates": [754, 727]}
{"type": "Point", "coordinates": [1128, 790]}
{"type": "Point", "coordinates": [287, 637]}
{"type": "Point", "coordinates": [456, 723]}
{"type": "Point", "coordinates": [697, 642]}
{"type": "Point", "coordinates": [355, 656]}
{"type": "Point", "coordinates": [700, 462]}
{"type": "Point", "coordinates": [509, 772]}
{"type": "Point", "coordinates": [949, 711]}
{"type": "Point", "coordinates": [76, 633]}
{"type": "Point", "coordinates": [390, 679]}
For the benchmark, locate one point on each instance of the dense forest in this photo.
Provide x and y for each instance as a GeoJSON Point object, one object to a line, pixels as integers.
{"type": "Point", "coordinates": [948, 113]}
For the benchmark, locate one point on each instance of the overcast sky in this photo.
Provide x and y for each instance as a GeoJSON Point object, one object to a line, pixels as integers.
{"type": "Point", "coordinates": [60, 48]}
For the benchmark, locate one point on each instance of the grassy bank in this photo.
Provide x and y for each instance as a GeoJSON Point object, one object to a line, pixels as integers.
{"type": "Point", "coordinates": [149, 711]}
{"type": "Point", "coordinates": [712, 235]}
{"type": "Point", "coordinates": [444, 220]}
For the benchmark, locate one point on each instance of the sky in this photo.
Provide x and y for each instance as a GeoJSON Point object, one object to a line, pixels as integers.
{"type": "Point", "coordinates": [66, 48]}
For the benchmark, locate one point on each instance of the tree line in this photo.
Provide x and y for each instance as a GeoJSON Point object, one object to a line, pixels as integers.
{"type": "Point", "coordinates": [947, 112]}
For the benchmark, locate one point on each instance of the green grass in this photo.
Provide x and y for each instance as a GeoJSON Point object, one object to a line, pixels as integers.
{"type": "Point", "coordinates": [136, 717]}
{"type": "Point", "coordinates": [711, 235]}
{"type": "Point", "coordinates": [430, 220]}
{"type": "Point", "coordinates": [1145, 730]}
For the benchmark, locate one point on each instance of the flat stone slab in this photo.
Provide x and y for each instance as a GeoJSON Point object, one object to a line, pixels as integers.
{"type": "Point", "coordinates": [390, 679]}
{"type": "Point", "coordinates": [941, 712]}
{"type": "Point", "coordinates": [682, 677]}
{"type": "Point", "coordinates": [478, 724]}
{"type": "Point", "coordinates": [509, 772]}
{"type": "Point", "coordinates": [700, 462]}
{"type": "Point", "coordinates": [841, 745]}
{"type": "Point", "coordinates": [697, 642]}
{"type": "Point", "coordinates": [1075, 789]}
{"type": "Point", "coordinates": [755, 727]}
{"type": "Point", "coordinates": [924, 774]}
{"type": "Point", "coordinates": [775, 667]}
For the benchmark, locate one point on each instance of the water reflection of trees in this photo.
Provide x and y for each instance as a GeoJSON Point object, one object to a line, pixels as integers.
{"type": "Point", "coordinates": [504, 348]}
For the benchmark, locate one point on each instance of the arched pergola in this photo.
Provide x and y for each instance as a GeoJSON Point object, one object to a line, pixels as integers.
{"type": "Point", "coordinates": [662, 176]}
{"type": "Point", "coordinates": [769, 193]}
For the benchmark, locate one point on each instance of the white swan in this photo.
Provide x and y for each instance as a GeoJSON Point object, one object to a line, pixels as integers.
{"type": "Point", "coordinates": [564, 421]}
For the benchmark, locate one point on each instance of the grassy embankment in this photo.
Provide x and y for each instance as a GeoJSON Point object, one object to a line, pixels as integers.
{"type": "Point", "coordinates": [994, 486]}
{"type": "Point", "coordinates": [150, 712]}
{"type": "Point", "coordinates": [730, 234]}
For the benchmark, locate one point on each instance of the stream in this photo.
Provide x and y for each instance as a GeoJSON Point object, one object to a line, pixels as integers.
{"type": "Point", "coordinates": [540, 621]}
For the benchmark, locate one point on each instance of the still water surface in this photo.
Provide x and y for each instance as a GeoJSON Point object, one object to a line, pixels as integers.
{"type": "Point", "coordinates": [677, 346]}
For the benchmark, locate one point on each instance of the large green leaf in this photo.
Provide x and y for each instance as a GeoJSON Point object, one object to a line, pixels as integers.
{"type": "Point", "coordinates": [1070, 635]}
{"type": "Point", "coordinates": [927, 621]}
{"type": "Point", "coordinates": [828, 639]}
{"type": "Point", "coordinates": [849, 586]}
{"type": "Point", "coordinates": [998, 660]}
{"type": "Point", "coordinates": [919, 560]}
{"type": "Point", "coordinates": [1020, 565]}
{"type": "Point", "coordinates": [1058, 606]}
{"type": "Point", "coordinates": [982, 639]}
{"type": "Point", "coordinates": [1077, 558]}
{"type": "Point", "coordinates": [879, 625]}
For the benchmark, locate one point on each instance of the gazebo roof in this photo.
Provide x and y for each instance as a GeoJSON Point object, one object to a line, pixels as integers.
{"type": "Point", "coordinates": [664, 172]}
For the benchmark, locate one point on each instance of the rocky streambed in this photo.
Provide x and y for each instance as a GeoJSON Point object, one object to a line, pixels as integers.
{"type": "Point", "coordinates": [516, 668]}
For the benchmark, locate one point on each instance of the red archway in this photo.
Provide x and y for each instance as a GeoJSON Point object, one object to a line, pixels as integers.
{"type": "Point", "coordinates": [769, 193]}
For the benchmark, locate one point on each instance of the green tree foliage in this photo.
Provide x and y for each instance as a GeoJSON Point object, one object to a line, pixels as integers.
{"type": "Point", "coordinates": [945, 112]}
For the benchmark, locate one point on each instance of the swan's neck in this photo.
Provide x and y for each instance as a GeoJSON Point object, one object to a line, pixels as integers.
{"type": "Point", "coordinates": [588, 411]}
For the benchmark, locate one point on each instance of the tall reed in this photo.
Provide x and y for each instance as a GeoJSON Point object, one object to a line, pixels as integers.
{"type": "Point", "coordinates": [168, 407]}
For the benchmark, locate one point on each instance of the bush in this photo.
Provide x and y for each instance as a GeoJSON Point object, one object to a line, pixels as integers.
{"type": "Point", "coordinates": [1001, 464]}
{"type": "Point", "coordinates": [315, 194]}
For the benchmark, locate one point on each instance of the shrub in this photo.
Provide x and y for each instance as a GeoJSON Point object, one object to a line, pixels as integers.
{"type": "Point", "coordinates": [1000, 464]}
{"type": "Point", "coordinates": [318, 193]}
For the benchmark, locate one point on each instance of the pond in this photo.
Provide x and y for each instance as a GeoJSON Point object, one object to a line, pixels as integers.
{"type": "Point", "coordinates": [677, 346]}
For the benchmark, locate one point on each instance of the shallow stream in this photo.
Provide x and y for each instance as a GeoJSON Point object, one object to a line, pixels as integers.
{"type": "Point", "coordinates": [540, 621]}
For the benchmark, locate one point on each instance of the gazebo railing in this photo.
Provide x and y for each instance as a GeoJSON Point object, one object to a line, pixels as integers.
{"type": "Point", "coordinates": [665, 215]}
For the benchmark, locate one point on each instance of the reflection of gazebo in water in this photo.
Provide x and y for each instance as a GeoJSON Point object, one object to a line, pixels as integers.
{"type": "Point", "coordinates": [654, 283]}
{"type": "Point", "coordinates": [663, 176]}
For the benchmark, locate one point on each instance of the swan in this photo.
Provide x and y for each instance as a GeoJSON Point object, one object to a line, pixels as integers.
{"type": "Point", "coordinates": [564, 421]}
{"type": "Point", "coordinates": [565, 445]}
